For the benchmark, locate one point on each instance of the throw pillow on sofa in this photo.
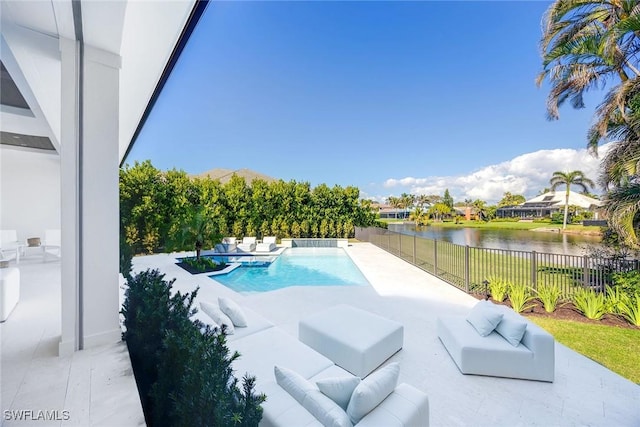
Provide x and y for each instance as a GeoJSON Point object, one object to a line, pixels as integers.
{"type": "Point", "coordinates": [304, 392]}
{"type": "Point", "coordinates": [511, 330]}
{"type": "Point", "coordinates": [293, 383]}
{"type": "Point", "coordinates": [234, 311]}
{"type": "Point", "coordinates": [372, 391]}
{"type": "Point", "coordinates": [339, 389]}
{"type": "Point", "coordinates": [484, 317]}
{"type": "Point", "coordinates": [218, 316]}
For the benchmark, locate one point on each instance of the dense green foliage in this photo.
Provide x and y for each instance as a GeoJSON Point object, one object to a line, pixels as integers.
{"type": "Point", "coordinates": [183, 370]}
{"type": "Point", "coordinates": [171, 211]}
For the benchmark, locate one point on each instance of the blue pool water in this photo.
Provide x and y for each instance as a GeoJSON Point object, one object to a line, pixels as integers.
{"type": "Point", "coordinates": [297, 267]}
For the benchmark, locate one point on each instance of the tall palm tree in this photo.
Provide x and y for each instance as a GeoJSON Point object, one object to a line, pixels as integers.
{"type": "Point", "coordinates": [586, 43]}
{"type": "Point", "coordinates": [568, 179]}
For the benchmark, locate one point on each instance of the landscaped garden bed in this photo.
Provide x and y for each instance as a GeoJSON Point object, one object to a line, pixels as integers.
{"type": "Point", "coordinates": [201, 265]}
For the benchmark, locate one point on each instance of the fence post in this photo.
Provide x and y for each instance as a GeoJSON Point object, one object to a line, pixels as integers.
{"type": "Point", "coordinates": [414, 250]}
{"type": "Point", "coordinates": [585, 271]}
{"type": "Point", "coordinates": [435, 257]}
{"type": "Point", "coordinates": [534, 270]}
{"type": "Point", "coordinates": [400, 245]}
{"type": "Point", "coordinates": [466, 268]}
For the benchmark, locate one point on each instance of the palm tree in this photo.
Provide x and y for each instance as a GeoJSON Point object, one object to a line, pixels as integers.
{"type": "Point", "coordinates": [419, 216]}
{"type": "Point", "coordinates": [568, 179]}
{"type": "Point", "coordinates": [584, 44]}
{"type": "Point", "coordinates": [623, 209]}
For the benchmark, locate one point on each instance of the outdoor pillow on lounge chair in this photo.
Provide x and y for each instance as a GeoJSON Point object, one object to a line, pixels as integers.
{"type": "Point", "coordinates": [248, 244]}
{"type": "Point", "coordinates": [267, 245]}
{"type": "Point", "coordinates": [228, 245]}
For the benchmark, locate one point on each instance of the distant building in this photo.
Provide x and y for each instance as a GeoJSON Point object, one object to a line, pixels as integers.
{"type": "Point", "coordinates": [549, 203]}
{"type": "Point", "coordinates": [387, 211]}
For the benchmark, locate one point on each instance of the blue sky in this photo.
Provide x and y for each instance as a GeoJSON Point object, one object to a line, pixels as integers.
{"type": "Point", "coordinates": [390, 97]}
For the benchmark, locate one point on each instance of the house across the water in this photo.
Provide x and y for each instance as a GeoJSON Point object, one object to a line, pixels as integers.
{"type": "Point", "coordinates": [549, 203]}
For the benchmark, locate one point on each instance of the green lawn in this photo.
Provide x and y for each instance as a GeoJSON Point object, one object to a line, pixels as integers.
{"type": "Point", "coordinates": [616, 348]}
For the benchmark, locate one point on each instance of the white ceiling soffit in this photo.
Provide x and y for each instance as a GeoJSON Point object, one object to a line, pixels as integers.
{"type": "Point", "coordinates": [151, 31]}
{"type": "Point", "coordinates": [143, 33]}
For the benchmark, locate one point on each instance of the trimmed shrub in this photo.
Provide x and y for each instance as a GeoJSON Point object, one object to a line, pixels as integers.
{"type": "Point", "coordinates": [184, 375]}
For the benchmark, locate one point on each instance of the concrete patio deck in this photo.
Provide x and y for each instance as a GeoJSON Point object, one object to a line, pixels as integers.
{"type": "Point", "coordinates": [96, 385]}
{"type": "Point", "coordinates": [584, 392]}
{"type": "Point", "coordinates": [92, 387]}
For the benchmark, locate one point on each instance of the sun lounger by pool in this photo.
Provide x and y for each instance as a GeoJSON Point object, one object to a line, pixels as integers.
{"type": "Point", "coordinates": [248, 244]}
{"type": "Point", "coordinates": [267, 245]}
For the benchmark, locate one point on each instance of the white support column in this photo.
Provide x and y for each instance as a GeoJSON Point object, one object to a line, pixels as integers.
{"type": "Point", "coordinates": [90, 197]}
{"type": "Point", "coordinates": [100, 198]}
{"type": "Point", "coordinates": [69, 214]}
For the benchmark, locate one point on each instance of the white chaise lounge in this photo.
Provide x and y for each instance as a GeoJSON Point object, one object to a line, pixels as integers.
{"type": "Point", "coordinates": [267, 245]}
{"type": "Point", "coordinates": [227, 245]}
{"type": "Point", "coordinates": [514, 348]}
{"type": "Point", "coordinates": [248, 244]}
{"type": "Point", "coordinates": [263, 346]}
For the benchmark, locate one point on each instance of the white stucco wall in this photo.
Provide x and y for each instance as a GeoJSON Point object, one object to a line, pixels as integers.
{"type": "Point", "coordinates": [29, 192]}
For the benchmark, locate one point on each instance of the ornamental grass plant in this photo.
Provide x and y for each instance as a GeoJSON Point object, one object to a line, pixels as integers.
{"type": "Point", "coordinates": [549, 295]}
{"type": "Point", "coordinates": [498, 288]}
{"type": "Point", "coordinates": [590, 303]}
{"type": "Point", "coordinates": [520, 295]}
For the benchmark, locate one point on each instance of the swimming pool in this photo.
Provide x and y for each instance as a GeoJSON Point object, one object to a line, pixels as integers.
{"type": "Point", "coordinates": [296, 267]}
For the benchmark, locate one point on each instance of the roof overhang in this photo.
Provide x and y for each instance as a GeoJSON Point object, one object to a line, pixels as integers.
{"type": "Point", "coordinates": [146, 35]}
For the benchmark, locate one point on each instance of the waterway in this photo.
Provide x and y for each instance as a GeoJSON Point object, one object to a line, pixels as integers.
{"type": "Point", "coordinates": [517, 240]}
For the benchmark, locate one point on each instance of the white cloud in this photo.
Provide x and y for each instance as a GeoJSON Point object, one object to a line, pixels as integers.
{"type": "Point", "coordinates": [526, 174]}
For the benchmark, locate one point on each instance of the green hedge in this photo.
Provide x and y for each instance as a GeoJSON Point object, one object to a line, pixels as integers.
{"type": "Point", "coordinates": [157, 206]}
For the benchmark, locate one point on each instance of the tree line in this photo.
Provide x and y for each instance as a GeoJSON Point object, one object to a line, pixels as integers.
{"type": "Point", "coordinates": [169, 210]}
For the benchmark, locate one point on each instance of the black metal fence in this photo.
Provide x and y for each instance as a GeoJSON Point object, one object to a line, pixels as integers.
{"type": "Point", "coordinates": [467, 267]}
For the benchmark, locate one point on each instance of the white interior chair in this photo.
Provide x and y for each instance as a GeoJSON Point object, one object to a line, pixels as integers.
{"type": "Point", "coordinates": [9, 244]}
{"type": "Point", "coordinates": [52, 243]}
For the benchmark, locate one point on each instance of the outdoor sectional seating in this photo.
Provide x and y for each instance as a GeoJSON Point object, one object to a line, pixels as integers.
{"type": "Point", "coordinates": [262, 347]}
{"type": "Point", "coordinates": [531, 357]}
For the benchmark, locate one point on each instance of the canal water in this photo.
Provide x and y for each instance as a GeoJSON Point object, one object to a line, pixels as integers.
{"type": "Point", "coordinates": [516, 240]}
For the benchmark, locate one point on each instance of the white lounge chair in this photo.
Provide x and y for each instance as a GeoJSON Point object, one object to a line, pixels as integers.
{"type": "Point", "coordinates": [52, 243]}
{"type": "Point", "coordinates": [248, 244]}
{"type": "Point", "coordinates": [227, 245]}
{"type": "Point", "coordinates": [267, 245]}
{"type": "Point", "coordinates": [9, 244]}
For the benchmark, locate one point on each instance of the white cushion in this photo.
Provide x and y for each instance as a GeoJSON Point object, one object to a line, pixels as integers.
{"type": "Point", "coordinates": [293, 383]}
{"type": "Point", "coordinates": [320, 406]}
{"type": "Point", "coordinates": [372, 391]}
{"type": "Point", "coordinates": [325, 410]}
{"type": "Point", "coordinates": [217, 315]}
{"type": "Point", "coordinates": [339, 389]}
{"type": "Point", "coordinates": [234, 311]}
{"type": "Point", "coordinates": [484, 318]}
{"type": "Point", "coordinates": [511, 330]}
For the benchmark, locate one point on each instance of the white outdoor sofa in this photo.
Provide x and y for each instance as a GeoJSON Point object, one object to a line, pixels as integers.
{"type": "Point", "coordinates": [263, 346]}
{"type": "Point", "coordinates": [532, 358]}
